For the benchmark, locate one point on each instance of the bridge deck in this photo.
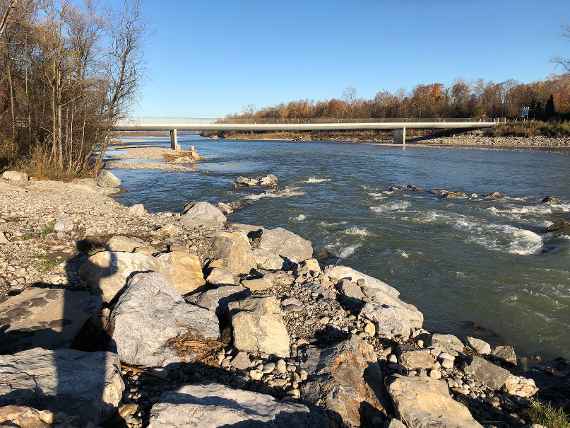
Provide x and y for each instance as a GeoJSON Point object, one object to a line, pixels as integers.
{"type": "Point", "coordinates": [185, 126]}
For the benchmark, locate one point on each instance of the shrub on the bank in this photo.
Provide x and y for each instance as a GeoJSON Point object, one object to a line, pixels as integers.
{"type": "Point", "coordinates": [550, 417]}
{"type": "Point", "coordinates": [533, 128]}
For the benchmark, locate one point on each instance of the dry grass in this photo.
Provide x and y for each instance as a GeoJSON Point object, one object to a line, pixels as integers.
{"type": "Point", "coordinates": [550, 417]}
{"type": "Point", "coordinates": [533, 128]}
{"type": "Point", "coordinates": [191, 343]}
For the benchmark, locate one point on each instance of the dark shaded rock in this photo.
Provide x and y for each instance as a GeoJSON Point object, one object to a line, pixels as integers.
{"type": "Point", "coordinates": [487, 373]}
{"type": "Point", "coordinates": [347, 379]}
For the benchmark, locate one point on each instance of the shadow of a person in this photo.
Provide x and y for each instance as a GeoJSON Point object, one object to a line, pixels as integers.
{"type": "Point", "coordinates": [61, 328]}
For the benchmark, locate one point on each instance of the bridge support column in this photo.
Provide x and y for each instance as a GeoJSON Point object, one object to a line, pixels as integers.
{"type": "Point", "coordinates": [399, 136]}
{"type": "Point", "coordinates": [174, 139]}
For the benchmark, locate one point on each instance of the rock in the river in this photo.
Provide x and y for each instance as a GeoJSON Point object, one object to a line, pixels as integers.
{"type": "Point", "coordinates": [262, 181]}
{"type": "Point", "coordinates": [286, 244]}
{"type": "Point", "coordinates": [15, 177]}
{"type": "Point", "coordinates": [487, 373]}
{"type": "Point", "coordinates": [213, 405]}
{"type": "Point", "coordinates": [218, 299]}
{"type": "Point", "coordinates": [482, 347]}
{"type": "Point", "coordinates": [124, 243]}
{"type": "Point", "coordinates": [347, 379]}
{"type": "Point", "coordinates": [447, 343]}
{"type": "Point", "coordinates": [550, 200]}
{"type": "Point", "coordinates": [203, 214]}
{"type": "Point", "coordinates": [107, 271]}
{"type": "Point", "coordinates": [267, 260]}
{"type": "Point", "coordinates": [83, 384]}
{"type": "Point", "coordinates": [506, 353]}
{"type": "Point", "coordinates": [220, 276]}
{"type": "Point", "coordinates": [182, 270]}
{"type": "Point", "coordinates": [108, 180]}
{"type": "Point", "coordinates": [234, 250]}
{"type": "Point", "coordinates": [150, 318]}
{"type": "Point", "coordinates": [559, 227]}
{"type": "Point", "coordinates": [43, 317]}
{"type": "Point", "coordinates": [520, 386]}
{"type": "Point", "coordinates": [424, 402]}
{"type": "Point", "coordinates": [258, 326]}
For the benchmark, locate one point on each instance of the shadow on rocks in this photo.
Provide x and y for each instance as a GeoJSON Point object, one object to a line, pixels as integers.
{"type": "Point", "coordinates": [74, 333]}
{"type": "Point", "coordinates": [168, 380]}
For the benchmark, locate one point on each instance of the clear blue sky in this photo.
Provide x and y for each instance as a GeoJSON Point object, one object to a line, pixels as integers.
{"type": "Point", "coordinates": [213, 57]}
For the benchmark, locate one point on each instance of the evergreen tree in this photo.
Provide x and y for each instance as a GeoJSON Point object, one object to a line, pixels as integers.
{"type": "Point", "coordinates": [550, 109]}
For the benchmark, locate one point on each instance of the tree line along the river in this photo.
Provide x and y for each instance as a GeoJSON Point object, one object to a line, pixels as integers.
{"type": "Point", "coordinates": [545, 100]}
{"type": "Point", "coordinates": [67, 72]}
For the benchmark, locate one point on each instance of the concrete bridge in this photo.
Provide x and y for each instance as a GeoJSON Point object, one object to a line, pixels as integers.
{"type": "Point", "coordinates": [192, 124]}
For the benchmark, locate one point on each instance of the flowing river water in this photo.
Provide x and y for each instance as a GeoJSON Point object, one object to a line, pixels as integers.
{"type": "Point", "coordinates": [472, 266]}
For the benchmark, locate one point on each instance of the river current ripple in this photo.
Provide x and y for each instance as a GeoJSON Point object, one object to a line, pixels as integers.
{"type": "Point", "coordinates": [472, 266]}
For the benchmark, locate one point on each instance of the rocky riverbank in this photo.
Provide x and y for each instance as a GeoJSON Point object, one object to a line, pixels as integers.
{"type": "Point", "coordinates": [474, 139]}
{"type": "Point", "coordinates": [112, 315]}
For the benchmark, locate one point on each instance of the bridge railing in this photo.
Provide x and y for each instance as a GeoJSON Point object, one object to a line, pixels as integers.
{"type": "Point", "coordinates": [246, 120]}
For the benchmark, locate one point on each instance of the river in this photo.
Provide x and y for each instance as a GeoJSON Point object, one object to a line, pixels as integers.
{"type": "Point", "coordinates": [472, 266]}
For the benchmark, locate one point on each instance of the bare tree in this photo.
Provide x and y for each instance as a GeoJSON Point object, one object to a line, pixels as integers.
{"type": "Point", "coordinates": [562, 61]}
{"type": "Point", "coordinates": [6, 15]}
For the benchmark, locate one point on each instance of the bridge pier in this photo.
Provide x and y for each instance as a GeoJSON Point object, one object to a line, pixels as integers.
{"type": "Point", "coordinates": [174, 139]}
{"type": "Point", "coordinates": [399, 136]}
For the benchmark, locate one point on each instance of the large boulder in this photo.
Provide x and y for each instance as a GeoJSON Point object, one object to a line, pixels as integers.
{"type": "Point", "coordinates": [234, 250]}
{"type": "Point", "coordinates": [151, 318]}
{"type": "Point", "coordinates": [258, 326]}
{"type": "Point", "coordinates": [43, 317]}
{"type": "Point", "coordinates": [183, 270]}
{"type": "Point", "coordinates": [487, 373]}
{"type": "Point", "coordinates": [446, 343]}
{"type": "Point", "coordinates": [392, 317]}
{"type": "Point", "coordinates": [286, 244]}
{"type": "Point", "coordinates": [203, 214]}
{"type": "Point", "coordinates": [87, 385]}
{"type": "Point", "coordinates": [424, 402]}
{"type": "Point", "coordinates": [15, 177]}
{"type": "Point", "coordinates": [267, 260]}
{"type": "Point", "coordinates": [107, 179]}
{"type": "Point", "coordinates": [337, 273]}
{"type": "Point", "coordinates": [218, 299]}
{"type": "Point", "coordinates": [347, 379]}
{"type": "Point", "coordinates": [107, 271]}
{"type": "Point", "coordinates": [214, 405]}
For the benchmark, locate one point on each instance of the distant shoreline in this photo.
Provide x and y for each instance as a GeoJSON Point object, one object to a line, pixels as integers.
{"type": "Point", "coordinates": [475, 141]}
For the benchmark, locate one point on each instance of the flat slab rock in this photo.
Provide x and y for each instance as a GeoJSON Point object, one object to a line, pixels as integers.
{"type": "Point", "coordinates": [286, 244]}
{"type": "Point", "coordinates": [150, 314]}
{"type": "Point", "coordinates": [215, 405]}
{"type": "Point", "coordinates": [44, 317]}
{"type": "Point", "coordinates": [423, 402]}
{"type": "Point", "coordinates": [83, 384]}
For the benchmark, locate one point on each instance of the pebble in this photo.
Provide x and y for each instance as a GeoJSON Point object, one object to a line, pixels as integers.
{"type": "Point", "coordinates": [281, 366]}
{"type": "Point", "coordinates": [393, 359]}
{"type": "Point", "coordinates": [268, 368]}
{"type": "Point", "coordinates": [370, 329]}
{"type": "Point", "coordinates": [256, 374]}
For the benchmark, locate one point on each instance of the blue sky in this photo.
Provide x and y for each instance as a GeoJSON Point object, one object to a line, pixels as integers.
{"type": "Point", "coordinates": [213, 57]}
